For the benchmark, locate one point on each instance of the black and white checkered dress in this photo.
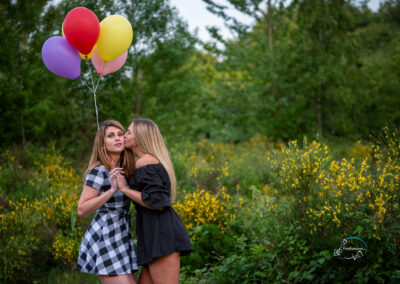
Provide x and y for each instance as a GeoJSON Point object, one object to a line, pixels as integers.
{"type": "Point", "coordinates": [107, 247]}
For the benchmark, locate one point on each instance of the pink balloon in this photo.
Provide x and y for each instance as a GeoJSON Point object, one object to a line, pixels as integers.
{"type": "Point", "coordinates": [106, 67]}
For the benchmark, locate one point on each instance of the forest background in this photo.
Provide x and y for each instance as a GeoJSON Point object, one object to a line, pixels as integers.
{"type": "Point", "coordinates": [321, 72]}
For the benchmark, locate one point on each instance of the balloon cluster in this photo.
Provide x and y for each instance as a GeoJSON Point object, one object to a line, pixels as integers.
{"type": "Point", "coordinates": [105, 43]}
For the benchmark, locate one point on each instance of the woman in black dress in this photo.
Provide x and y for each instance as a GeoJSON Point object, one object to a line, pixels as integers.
{"type": "Point", "coordinates": [161, 235]}
{"type": "Point", "coordinates": [107, 248]}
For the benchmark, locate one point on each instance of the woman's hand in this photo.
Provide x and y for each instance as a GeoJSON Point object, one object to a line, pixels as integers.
{"type": "Point", "coordinates": [121, 181]}
{"type": "Point", "coordinates": [113, 178]}
{"type": "Point", "coordinates": [135, 195]}
{"type": "Point", "coordinates": [91, 199]}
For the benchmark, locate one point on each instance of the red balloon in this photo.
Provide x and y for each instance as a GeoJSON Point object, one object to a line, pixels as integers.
{"type": "Point", "coordinates": [81, 29]}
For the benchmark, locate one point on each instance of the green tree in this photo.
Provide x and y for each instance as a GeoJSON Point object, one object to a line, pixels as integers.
{"type": "Point", "coordinates": [19, 22]}
{"type": "Point", "coordinates": [295, 79]}
{"type": "Point", "coordinates": [39, 107]}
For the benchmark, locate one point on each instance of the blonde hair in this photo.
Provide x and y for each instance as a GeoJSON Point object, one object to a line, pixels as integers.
{"type": "Point", "coordinates": [99, 152]}
{"type": "Point", "coordinates": [148, 138]}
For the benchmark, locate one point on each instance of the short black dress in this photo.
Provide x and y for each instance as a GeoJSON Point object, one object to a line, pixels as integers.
{"type": "Point", "coordinates": [107, 247]}
{"type": "Point", "coordinates": [159, 233]}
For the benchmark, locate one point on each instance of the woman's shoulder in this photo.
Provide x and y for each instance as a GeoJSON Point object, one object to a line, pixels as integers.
{"type": "Point", "coordinates": [148, 168]}
{"type": "Point", "coordinates": [97, 177]}
{"type": "Point", "coordinates": [146, 160]}
{"type": "Point", "coordinates": [98, 170]}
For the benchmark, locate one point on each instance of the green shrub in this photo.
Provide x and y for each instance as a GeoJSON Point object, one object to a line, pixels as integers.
{"type": "Point", "coordinates": [30, 219]}
{"type": "Point", "coordinates": [209, 245]}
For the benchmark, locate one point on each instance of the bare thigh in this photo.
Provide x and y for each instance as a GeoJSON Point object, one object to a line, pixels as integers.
{"type": "Point", "coordinates": [165, 270]}
{"type": "Point", "coordinates": [123, 279]}
{"type": "Point", "coordinates": [145, 277]}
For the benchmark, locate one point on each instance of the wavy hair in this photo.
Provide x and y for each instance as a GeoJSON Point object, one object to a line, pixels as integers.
{"type": "Point", "coordinates": [100, 155]}
{"type": "Point", "coordinates": [148, 138]}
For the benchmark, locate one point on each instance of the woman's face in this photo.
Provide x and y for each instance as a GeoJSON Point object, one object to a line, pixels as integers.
{"type": "Point", "coordinates": [114, 140]}
{"type": "Point", "coordinates": [130, 141]}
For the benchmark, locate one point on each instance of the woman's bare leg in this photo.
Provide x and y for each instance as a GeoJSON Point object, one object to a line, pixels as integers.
{"type": "Point", "coordinates": [145, 277]}
{"type": "Point", "coordinates": [120, 279]}
{"type": "Point", "coordinates": [133, 278]}
{"type": "Point", "coordinates": [166, 269]}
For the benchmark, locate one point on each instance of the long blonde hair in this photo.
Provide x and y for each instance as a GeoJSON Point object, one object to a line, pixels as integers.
{"type": "Point", "coordinates": [148, 138]}
{"type": "Point", "coordinates": [99, 152]}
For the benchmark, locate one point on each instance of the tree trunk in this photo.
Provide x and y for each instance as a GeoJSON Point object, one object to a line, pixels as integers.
{"type": "Point", "coordinates": [22, 131]}
{"type": "Point", "coordinates": [270, 31]}
{"type": "Point", "coordinates": [319, 115]}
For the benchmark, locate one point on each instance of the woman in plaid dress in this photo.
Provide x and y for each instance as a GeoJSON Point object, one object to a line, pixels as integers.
{"type": "Point", "coordinates": [161, 235]}
{"type": "Point", "coordinates": [107, 247]}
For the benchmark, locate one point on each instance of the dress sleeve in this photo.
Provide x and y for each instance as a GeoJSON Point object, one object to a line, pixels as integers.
{"type": "Point", "coordinates": [155, 192]}
{"type": "Point", "coordinates": [95, 178]}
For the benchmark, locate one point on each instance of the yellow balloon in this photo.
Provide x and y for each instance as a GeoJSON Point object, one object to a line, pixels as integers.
{"type": "Point", "coordinates": [88, 56]}
{"type": "Point", "coordinates": [115, 37]}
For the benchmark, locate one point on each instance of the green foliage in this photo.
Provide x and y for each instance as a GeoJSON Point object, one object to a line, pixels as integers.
{"type": "Point", "coordinates": [58, 275]}
{"type": "Point", "coordinates": [332, 68]}
{"type": "Point", "coordinates": [211, 166]}
{"type": "Point", "coordinates": [279, 226]}
{"type": "Point", "coordinates": [37, 106]}
{"type": "Point", "coordinates": [324, 66]}
{"type": "Point", "coordinates": [206, 252]}
{"type": "Point", "coordinates": [249, 263]}
{"type": "Point", "coordinates": [37, 216]}
{"type": "Point", "coordinates": [20, 241]}
{"type": "Point", "coordinates": [290, 233]}
{"type": "Point", "coordinates": [313, 76]}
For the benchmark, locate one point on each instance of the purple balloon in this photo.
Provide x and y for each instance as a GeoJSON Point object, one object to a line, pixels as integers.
{"type": "Point", "coordinates": [61, 58]}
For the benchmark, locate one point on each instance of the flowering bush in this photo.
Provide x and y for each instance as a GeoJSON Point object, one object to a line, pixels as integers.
{"type": "Point", "coordinates": [274, 213]}
{"type": "Point", "coordinates": [29, 223]}
{"type": "Point", "coordinates": [326, 200]}
{"type": "Point", "coordinates": [61, 192]}
{"type": "Point", "coordinates": [200, 207]}
{"type": "Point", "coordinates": [361, 151]}
{"type": "Point", "coordinates": [65, 249]}
{"type": "Point", "coordinates": [309, 205]}
{"type": "Point", "coordinates": [19, 226]}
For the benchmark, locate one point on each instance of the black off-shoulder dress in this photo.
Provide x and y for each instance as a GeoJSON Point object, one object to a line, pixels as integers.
{"type": "Point", "coordinates": [159, 233]}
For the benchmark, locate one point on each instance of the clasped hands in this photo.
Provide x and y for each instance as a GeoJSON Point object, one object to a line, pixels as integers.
{"type": "Point", "coordinates": [117, 179]}
{"type": "Point", "coordinates": [118, 182]}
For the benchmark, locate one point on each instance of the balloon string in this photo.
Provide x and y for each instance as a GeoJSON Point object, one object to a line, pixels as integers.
{"type": "Point", "coordinates": [97, 84]}
{"type": "Point", "coordinates": [84, 83]}
{"type": "Point", "coordinates": [94, 89]}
